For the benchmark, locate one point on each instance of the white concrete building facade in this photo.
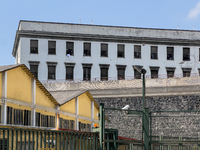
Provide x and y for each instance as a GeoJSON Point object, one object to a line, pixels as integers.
{"type": "Point", "coordinates": [62, 51]}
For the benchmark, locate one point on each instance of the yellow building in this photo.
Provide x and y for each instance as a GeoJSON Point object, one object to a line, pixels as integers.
{"type": "Point", "coordinates": [78, 110]}
{"type": "Point", "coordinates": [26, 102]}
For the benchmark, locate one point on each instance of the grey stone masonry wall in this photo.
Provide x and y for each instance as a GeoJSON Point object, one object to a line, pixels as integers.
{"type": "Point", "coordinates": [170, 124]}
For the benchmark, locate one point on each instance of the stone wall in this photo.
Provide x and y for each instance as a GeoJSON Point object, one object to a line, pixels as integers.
{"type": "Point", "coordinates": [178, 124]}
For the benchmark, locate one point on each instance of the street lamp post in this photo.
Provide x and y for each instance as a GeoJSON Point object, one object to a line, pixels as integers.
{"type": "Point", "coordinates": [145, 114]}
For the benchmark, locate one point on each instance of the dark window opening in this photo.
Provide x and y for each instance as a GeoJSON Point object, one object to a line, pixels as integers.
{"type": "Point", "coordinates": [51, 47]}
{"type": "Point", "coordinates": [186, 72]}
{"type": "Point", "coordinates": [104, 73]}
{"type": "Point", "coordinates": [170, 74]}
{"type": "Point", "coordinates": [44, 121]}
{"type": "Point", "coordinates": [82, 127]}
{"type": "Point", "coordinates": [88, 127]}
{"type": "Point", "coordinates": [51, 121]}
{"type": "Point", "coordinates": [104, 50]}
{"type": "Point", "coordinates": [70, 48]}
{"type": "Point", "coordinates": [121, 73]}
{"type": "Point", "coordinates": [60, 122]}
{"type": "Point", "coordinates": [9, 115]}
{"type": "Point", "coordinates": [186, 54]}
{"type": "Point", "coordinates": [87, 49]}
{"type": "Point", "coordinates": [18, 117]}
{"type": "Point", "coordinates": [154, 52]}
{"type": "Point", "coordinates": [65, 124]}
{"type": "Point", "coordinates": [34, 70]}
{"type": "Point", "coordinates": [170, 53]}
{"type": "Point", "coordinates": [27, 117]}
{"type": "Point", "coordinates": [34, 46]}
{"type": "Point", "coordinates": [37, 119]}
{"type": "Point", "coordinates": [154, 74]}
{"type": "Point", "coordinates": [87, 73]}
{"type": "Point", "coordinates": [137, 51]}
{"type": "Point", "coordinates": [137, 74]}
{"type": "Point", "coordinates": [52, 72]}
{"type": "Point", "coordinates": [69, 73]}
{"type": "Point", "coordinates": [72, 124]}
{"type": "Point", "coordinates": [120, 50]}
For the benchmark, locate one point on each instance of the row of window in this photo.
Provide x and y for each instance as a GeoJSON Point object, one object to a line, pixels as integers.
{"type": "Point", "coordinates": [66, 124]}
{"type": "Point", "coordinates": [104, 50]}
{"type": "Point", "coordinates": [70, 124]}
{"type": "Point", "coordinates": [104, 71]}
{"type": "Point", "coordinates": [23, 117]}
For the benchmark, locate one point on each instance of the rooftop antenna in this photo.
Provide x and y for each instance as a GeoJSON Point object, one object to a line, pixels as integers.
{"type": "Point", "coordinates": [91, 21]}
{"type": "Point", "coordinates": [79, 21]}
{"type": "Point", "coordinates": [177, 26]}
{"type": "Point", "coordinates": [193, 27]}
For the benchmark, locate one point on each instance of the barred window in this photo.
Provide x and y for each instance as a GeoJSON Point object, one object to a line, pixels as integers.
{"type": "Point", "coordinates": [18, 117]}
{"type": "Point", "coordinates": [87, 49]}
{"type": "Point", "coordinates": [170, 53]}
{"type": "Point", "coordinates": [72, 124]}
{"type": "Point", "coordinates": [137, 51]}
{"type": "Point", "coordinates": [88, 127]}
{"type": "Point", "coordinates": [27, 117]}
{"type": "Point", "coordinates": [104, 50]}
{"type": "Point", "coordinates": [9, 115]}
{"type": "Point", "coordinates": [51, 47]}
{"type": "Point", "coordinates": [120, 50]}
{"type": "Point", "coordinates": [34, 46]}
{"type": "Point", "coordinates": [70, 48]}
{"type": "Point", "coordinates": [37, 119]}
{"type": "Point", "coordinates": [186, 54]}
{"type": "Point", "coordinates": [154, 52]}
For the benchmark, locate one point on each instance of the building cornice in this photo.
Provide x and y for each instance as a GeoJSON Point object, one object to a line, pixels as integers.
{"type": "Point", "coordinates": [102, 38]}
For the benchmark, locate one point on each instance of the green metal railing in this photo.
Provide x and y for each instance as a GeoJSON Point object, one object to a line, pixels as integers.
{"type": "Point", "coordinates": [34, 139]}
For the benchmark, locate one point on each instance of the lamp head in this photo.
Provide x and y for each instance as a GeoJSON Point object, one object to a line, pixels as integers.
{"type": "Point", "coordinates": [140, 69]}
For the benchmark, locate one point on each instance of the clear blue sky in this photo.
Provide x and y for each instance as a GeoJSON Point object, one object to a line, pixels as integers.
{"type": "Point", "coordinates": [165, 14]}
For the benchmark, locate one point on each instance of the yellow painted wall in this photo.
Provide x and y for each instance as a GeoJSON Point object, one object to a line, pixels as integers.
{"type": "Point", "coordinates": [67, 117]}
{"type": "Point", "coordinates": [84, 105]}
{"type": "Point", "coordinates": [18, 85]}
{"type": "Point", "coordinates": [69, 106]}
{"type": "Point", "coordinates": [95, 113]}
{"type": "Point", "coordinates": [84, 121]}
{"type": "Point", "coordinates": [15, 106]}
{"type": "Point", "coordinates": [42, 99]}
{"type": "Point", "coordinates": [0, 85]}
{"type": "Point", "coordinates": [43, 112]}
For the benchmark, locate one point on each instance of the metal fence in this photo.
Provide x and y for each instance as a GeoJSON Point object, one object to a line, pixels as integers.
{"type": "Point", "coordinates": [34, 139]}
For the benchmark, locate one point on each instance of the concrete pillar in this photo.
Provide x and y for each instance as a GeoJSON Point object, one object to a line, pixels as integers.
{"type": "Point", "coordinates": [77, 113]}
{"type": "Point", "coordinates": [4, 98]}
{"type": "Point", "coordinates": [33, 101]}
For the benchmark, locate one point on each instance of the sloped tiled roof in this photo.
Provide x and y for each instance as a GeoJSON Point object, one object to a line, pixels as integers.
{"type": "Point", "coordinates": [8, 67]}
{"type": "Point", "coordinates": [63, 97]}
